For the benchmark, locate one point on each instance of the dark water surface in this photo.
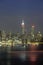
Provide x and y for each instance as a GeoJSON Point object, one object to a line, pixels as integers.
{"type": "Point", "coordinates": [24, 56]}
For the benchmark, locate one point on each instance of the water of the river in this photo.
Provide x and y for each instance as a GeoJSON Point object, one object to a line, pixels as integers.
{"type": "Point", "coordinates": [32, 56]}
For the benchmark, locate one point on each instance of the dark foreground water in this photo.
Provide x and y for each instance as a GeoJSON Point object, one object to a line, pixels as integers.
{"type": "Point", "coordinates": [31, 55]}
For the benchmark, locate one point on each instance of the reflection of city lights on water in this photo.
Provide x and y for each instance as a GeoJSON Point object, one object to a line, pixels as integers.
{"type": "Point", "coordinates": [33, 57]}
{"type": "Point", "coordinates": [23, 56]}
{"type": "Point", "coordinates": [33, 47]}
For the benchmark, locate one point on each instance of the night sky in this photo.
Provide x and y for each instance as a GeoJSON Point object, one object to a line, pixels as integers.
{"type": "Point", "coordinates": [13, 11]}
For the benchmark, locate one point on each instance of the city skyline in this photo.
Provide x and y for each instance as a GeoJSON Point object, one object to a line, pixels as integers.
{"type": "Point", "coordinates": [12, 13]}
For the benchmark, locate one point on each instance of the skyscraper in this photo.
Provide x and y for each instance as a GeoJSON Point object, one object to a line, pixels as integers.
{"type": "Point", "coordinates": [3, 35]}
{"type": "Point", "coordinates": [32, 32]}
{"type": "Point", "coordinates": [23, 27]}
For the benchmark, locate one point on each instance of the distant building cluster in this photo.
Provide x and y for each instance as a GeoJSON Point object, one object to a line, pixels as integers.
{"type": "Point", "coordinates": [12, 39]}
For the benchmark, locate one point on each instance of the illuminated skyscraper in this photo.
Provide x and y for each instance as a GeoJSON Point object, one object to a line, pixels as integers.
{"type": "Point", "coordinates": [3, 35]}
{"type": "Point", "coordinates": [39, 36]}
{"type": "Point", "coordinates": [32, 31]}
{"type": "Point", "coordinates": [23, 32]}
{"type": "Point", "coordinates": [23, 27]}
